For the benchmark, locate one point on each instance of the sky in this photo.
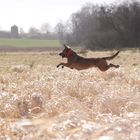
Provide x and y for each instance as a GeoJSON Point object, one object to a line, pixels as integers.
{"type": "Point", "coordinates": [34, 13]}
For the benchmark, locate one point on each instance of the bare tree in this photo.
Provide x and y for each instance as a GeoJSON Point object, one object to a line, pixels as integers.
{"type": "Point", "coordinates": [45, 28]}
{"type": "Point", "coordinates": [60, 29]}
{"type": "Point", "coordinates": [33, 32]}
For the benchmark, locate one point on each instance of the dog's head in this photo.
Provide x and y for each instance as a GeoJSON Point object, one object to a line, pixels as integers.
{"type": "Point", "coordinates": [66, 52]}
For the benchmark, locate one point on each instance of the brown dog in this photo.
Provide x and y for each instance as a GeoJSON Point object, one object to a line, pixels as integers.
{"type": "Point", "coordinates": [80, 63]}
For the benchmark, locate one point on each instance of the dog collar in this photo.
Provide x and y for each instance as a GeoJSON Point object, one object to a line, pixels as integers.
{"type": "Point", "coordinates": [69, 53]}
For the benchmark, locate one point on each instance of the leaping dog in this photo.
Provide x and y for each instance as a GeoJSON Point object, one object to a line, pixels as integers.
{"type": "Point", "coordinates": [77, 62]}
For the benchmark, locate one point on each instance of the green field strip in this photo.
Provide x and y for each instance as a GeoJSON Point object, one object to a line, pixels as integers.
{"type": "Point", "coordinates": [29, 43]}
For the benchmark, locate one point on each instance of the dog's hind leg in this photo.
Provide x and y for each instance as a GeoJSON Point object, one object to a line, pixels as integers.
{"type": "Point", "coordinates": [112, 65]}
{"type": "Point", "coordinates": [106, 67]}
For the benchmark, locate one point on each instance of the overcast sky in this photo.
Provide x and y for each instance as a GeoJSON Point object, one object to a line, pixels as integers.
{"type": "Point", "coordinates": [27, 13]}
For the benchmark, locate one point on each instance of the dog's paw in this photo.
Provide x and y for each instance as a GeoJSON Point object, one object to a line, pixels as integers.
{"type": "Point", "coordinates": [117, 66]}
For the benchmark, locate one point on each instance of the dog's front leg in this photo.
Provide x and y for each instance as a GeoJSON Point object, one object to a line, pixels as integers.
{"type": "Point", "coordinates": [64, 64]}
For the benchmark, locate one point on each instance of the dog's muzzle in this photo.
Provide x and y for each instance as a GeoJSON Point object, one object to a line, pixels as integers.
{"type": "Point", "coordinates": [61, 54]}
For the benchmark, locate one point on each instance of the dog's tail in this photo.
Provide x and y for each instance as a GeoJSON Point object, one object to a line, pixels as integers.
{"type": "Point", "coordinates": [111, 57]}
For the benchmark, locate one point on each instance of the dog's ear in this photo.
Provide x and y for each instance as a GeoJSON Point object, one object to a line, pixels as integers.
{"type": "Point", "coordinates": [67, 47]}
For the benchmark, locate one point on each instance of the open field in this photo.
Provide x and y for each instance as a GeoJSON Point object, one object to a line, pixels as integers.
{"type": "Point", "coordinates": [40, 102]}
{"type": "Point", "coordinates": [29, 42]}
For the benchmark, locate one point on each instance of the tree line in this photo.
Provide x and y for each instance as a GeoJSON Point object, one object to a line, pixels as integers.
{"type": "Point", "coordinates": [95, 27]}
{"type": "Point", "coordinates": [106, 26]}
{"type": "Point", "coordinates": [45, 32]}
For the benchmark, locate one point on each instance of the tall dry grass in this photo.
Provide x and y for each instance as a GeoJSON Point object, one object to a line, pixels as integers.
{"type": "Point", "coordinates": [43, 102]}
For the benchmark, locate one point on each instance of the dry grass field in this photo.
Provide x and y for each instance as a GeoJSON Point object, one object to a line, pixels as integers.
{"type": "Point", "coordinates": [40, 102]}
